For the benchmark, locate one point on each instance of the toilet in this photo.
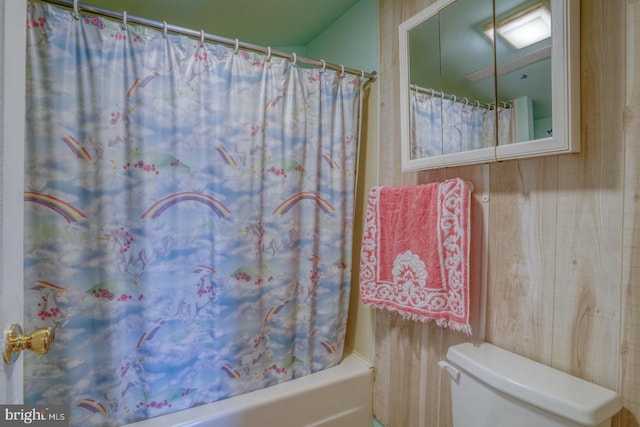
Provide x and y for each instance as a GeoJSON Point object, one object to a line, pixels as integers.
{"type": "Point", "coordinates": [492, 387]}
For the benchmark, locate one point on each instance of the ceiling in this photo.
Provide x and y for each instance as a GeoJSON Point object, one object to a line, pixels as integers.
{"type": "Point", "coordinates": [275, 23]}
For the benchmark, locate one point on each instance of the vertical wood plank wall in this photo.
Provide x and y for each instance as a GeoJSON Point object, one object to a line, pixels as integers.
{"type": "Point", "coordinates": [629, 384]}
{"type": "Point", "coordinates": [564, 236]}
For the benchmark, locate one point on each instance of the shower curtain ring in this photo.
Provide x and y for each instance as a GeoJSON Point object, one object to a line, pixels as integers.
{"type": "Point", "coordinates": [268, 58]}
{"type": "Point", "coordinates": [341, 71]}
{"type": "Point", "coordinates": [164, 29]}
{"type": "Point", "coordinates": [76, 15]}
{"type": "Point", "coordinates": [124, 20]}
{"type": "Point", "coordinates": [237, 48]}
{"type": "Point", "coordinates": [294, 60]}
{"type": "Point", "coordinates": [202, 38]}
{"type": "Point", "coordinates": [324, 66]}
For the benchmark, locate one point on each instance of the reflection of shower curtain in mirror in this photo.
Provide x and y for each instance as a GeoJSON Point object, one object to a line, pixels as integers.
{"type": "Point", "coordinates": [505, 126]}
{"type": "Point", "coordinates": [445, 126]}
{"type": "Point", "coordinates": [188, 218]}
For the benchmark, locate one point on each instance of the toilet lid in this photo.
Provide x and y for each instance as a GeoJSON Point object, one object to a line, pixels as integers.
{"type": "Point", "coordinates": [539, 385]}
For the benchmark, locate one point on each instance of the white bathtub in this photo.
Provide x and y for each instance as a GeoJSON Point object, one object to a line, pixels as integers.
{"type": "Point", "coordinates": [336, 397]}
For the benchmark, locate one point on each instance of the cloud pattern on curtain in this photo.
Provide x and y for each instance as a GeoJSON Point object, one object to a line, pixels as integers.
{"type": "Point", "coordinates": [188, 216]}
{"type": "Point", "coordinates": [445, 126]}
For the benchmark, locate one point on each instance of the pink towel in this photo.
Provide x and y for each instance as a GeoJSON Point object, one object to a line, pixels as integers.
{"type": "Point", "coordinates": [415, 252]}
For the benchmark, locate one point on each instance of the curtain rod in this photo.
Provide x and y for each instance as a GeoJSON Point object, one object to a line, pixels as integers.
{"type": "Point", "coordinates": [163, 26]}
{"type": "Point", "coordinates": [444, 95]}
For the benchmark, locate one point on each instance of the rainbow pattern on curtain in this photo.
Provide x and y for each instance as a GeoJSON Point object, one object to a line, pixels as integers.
{"type": "Point", "coordinates": [188, 214]}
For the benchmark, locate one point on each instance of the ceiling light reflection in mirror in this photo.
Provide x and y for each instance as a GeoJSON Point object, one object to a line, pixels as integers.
{"type": "Point", "coordinates": [523, 28]}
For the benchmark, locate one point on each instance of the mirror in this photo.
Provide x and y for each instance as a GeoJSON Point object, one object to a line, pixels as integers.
{"type": "Point", "coordinates": [470, 93]}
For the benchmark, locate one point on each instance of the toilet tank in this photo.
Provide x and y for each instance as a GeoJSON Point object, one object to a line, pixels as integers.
{"type": "Point", "coordinates": [493, 387]}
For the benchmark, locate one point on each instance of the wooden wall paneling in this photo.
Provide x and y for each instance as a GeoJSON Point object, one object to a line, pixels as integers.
{"type": "Point", "coordinates": [522, 256]}
{"type": "Point", "coordinates": [391, 13]}
{"type": "Point", "coordinates": [409, 387]}
{"type": "Point", "coordinates": [630, 300]}
{"type": "Point", "coordinates": [382, 364]}
{"type": "Point", "coordinates": [435, 410]}
{"type": "Point", "coordinates": [586, 337]}
{"type": "Point", "coordinates": [397, 371]}
{"type": "Point", "coordinates": [564, 249]}
{"type": "Point", "coordinates": [388, 18]}
{"type": "Point", "coordinates": [404, 403]}
{"type": "Point", "coordinates": [412, 390]}
{"type": "Point", "coordinates": [433, 343]}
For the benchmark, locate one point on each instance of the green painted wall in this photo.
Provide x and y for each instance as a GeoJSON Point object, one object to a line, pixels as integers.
{"type": "Point", "coordinates": [352, 40]}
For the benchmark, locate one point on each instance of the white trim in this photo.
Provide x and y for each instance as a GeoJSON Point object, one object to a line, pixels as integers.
{"type": "Point", "coordinates": [12, 113]}
{"type": "Point", "coordinates": [565, 86]}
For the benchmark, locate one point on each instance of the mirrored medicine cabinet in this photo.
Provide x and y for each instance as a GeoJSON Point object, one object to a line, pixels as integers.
{"type": "Point", "coordinates": [489, 80]}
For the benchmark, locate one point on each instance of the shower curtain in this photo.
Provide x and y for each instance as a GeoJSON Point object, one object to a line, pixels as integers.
{"type": "Point", "coordinates": [188, 217]}
{"type": "Point", "coordinates": [445, 126]}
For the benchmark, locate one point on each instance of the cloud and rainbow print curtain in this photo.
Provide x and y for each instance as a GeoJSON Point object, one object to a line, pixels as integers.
{"type": "Point", "coordinates": [188, 217]}
{"type": "Point", "coordinates": [445, 126]}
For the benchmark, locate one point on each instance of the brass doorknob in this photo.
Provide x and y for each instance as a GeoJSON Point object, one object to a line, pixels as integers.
{"type": "Point", "coordinates": [39, 341]}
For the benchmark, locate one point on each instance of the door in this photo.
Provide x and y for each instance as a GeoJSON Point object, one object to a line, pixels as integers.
{"type": "Point", "coordinates": [12, 111]}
